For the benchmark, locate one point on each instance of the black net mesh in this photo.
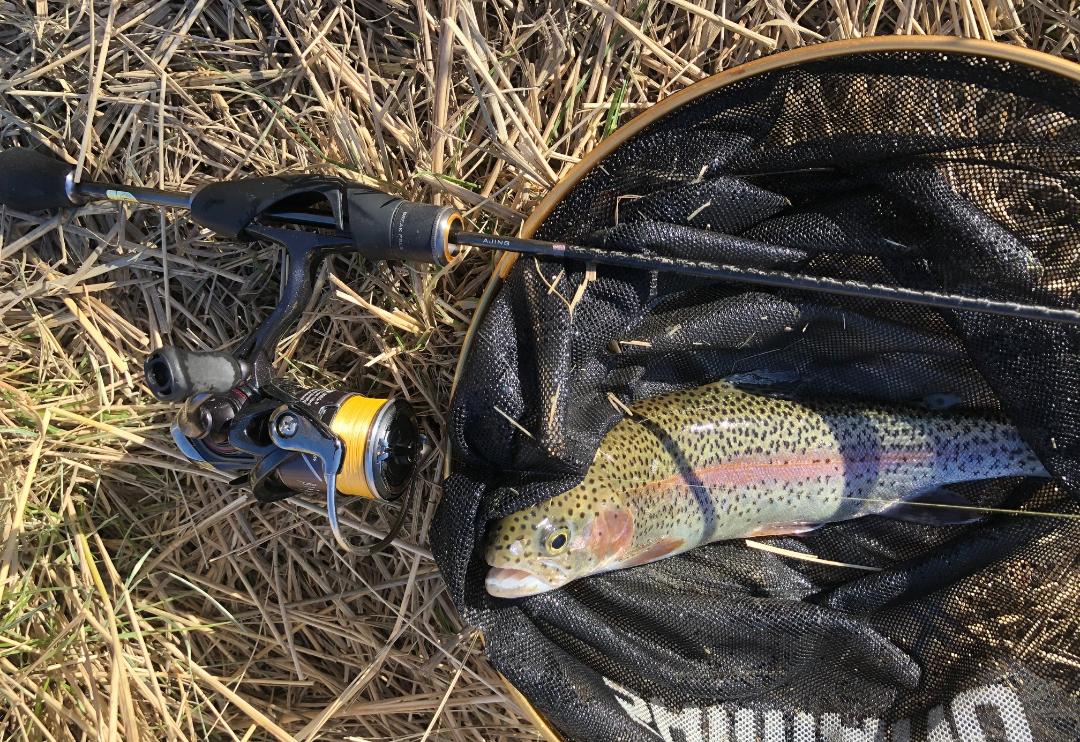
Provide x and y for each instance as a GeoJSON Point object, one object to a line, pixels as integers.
{"type": "Point", "coordinates": [918, 169]}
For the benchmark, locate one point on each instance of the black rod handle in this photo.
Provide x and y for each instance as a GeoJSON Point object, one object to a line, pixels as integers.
{"type": "Point", "coordinates": [34, 181]}
{"type": "Point", "coordinates": [385, 227]}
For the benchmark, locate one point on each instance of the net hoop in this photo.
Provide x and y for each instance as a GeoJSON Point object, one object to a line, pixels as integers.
{"type": "Point", "coordinates": [781, 60]}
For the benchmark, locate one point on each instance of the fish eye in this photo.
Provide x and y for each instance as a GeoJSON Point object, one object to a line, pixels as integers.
{"type": "Point", "coordinates": [557, 541]}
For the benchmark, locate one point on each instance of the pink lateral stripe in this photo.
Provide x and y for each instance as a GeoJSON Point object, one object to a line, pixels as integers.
{"type": "Point", "coordinates": [756, 469]}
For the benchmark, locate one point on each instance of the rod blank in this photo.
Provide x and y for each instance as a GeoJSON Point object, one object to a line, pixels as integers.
{"type": "Point", "coordinates": [92, 191]}
{"type": "Point", "coordinates": [773, 279]}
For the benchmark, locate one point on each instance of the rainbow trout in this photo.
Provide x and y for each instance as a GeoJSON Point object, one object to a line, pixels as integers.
{"type": "Point", "coordinates": [717, 463]}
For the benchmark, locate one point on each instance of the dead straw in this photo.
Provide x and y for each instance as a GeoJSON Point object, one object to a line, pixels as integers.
{"type": "Point", "coordinates": [143, 598]}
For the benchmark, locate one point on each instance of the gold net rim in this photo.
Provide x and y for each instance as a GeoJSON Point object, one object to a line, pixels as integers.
{"type": "Point", "coordinates": [790, 58]}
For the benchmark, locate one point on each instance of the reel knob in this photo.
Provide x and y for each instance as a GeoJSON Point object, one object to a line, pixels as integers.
{"type": "Point", "coordinates": [175, 374]}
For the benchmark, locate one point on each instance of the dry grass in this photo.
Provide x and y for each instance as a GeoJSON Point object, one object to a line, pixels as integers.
{"type": "Point", "coordinates": [144, 599]}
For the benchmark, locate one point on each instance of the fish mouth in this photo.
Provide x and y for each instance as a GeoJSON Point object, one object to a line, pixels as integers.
{"type": "Point", "coordinates": [507, 582]}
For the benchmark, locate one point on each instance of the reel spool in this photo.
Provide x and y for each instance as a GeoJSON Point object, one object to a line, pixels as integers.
{"type": "Point", "coordinates": [380, 445]}
{"type": "Point", "coordinates": [372, 451]}
{"type": "Point", "coordinates": [317, 443]}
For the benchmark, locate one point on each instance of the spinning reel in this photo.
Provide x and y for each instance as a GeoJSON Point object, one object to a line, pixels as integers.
{"type": "Point", "coordinates": [236, 414]}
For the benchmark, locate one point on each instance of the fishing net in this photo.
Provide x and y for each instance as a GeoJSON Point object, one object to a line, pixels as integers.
{"type": "Point", "coordinates": [945, 172]}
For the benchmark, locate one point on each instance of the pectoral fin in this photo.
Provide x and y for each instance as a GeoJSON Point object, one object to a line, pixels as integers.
{"type": "Point", "coordinates": [787, 529]}
{"type": "Point", "coordinates": [611, 532]}
{"type": "Point", "coordinates": [936, 507]}
{"type": "Point", "coordinates": [659, 550]}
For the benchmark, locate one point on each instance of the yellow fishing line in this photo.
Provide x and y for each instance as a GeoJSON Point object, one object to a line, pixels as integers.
{"type": "Point", "coordinates": [352, 423]}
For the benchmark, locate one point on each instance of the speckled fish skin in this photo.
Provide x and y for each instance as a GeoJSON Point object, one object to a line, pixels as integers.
{"type": "Point", "coordinates": [716, 463]}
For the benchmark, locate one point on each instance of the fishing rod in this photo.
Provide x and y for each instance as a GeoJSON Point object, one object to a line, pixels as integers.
{"type": "Point", "coordinates": [282, 439]}
{"type": "Point", "coordinates": [54, 187]}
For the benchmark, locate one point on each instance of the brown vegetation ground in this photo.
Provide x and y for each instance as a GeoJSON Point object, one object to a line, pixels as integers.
{"type": "Point", "coordinates": [141, 598]}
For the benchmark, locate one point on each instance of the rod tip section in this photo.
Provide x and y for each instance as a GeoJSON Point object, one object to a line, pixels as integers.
{"type": "Point", "coordinates": [33, 181]}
